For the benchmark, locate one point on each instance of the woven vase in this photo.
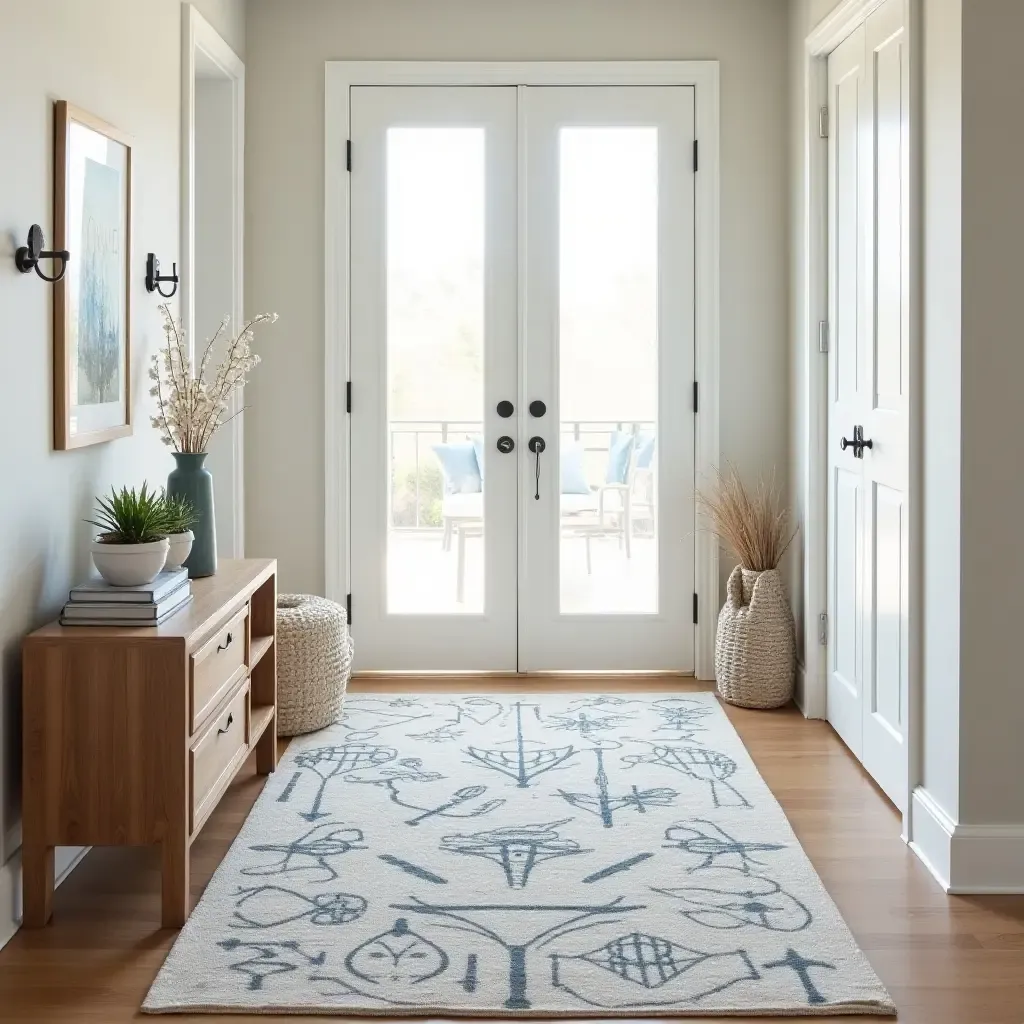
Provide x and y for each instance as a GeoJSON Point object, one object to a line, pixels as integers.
{"type": "Point", "coordinates": [755, 648]}
{"type": "Point", "coordinates": [314, 662]}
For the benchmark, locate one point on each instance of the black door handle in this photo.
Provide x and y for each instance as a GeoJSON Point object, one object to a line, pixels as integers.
{"type": "Point", "coordinates": [505, 409]}
{"type": "Point", "coordinates": [536, 445]}
{"type": "Point", "coordinates": [858, 444]}
{"type": "Point", "coordinates": [506, 444]}
{"type": "Point", "coordinates": [227, 643]}
{"type": "Point", "coordinates": [538, 408]}
{"type": "Point", "coordinates": [227, 724]}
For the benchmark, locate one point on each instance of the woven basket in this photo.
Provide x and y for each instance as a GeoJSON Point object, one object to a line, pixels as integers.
{"type": "Point", "coordinates": [755, 645]}
{"type": "Point", "coordinates": [314, 662]}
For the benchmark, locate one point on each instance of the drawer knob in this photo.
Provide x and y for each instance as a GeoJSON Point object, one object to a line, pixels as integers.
{"type": "Point", "coordinates": [227, 724]}
{"type": "Point", "coordinates": [227, 643]}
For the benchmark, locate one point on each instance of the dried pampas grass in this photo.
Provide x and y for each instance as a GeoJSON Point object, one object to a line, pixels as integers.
{"type": "Point", "coordinates": [754, 524]}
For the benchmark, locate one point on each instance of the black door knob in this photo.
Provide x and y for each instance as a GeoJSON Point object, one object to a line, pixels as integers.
{"type": "Point", "coordinates": [505, 409]}
{"type": "Point", "coordinates": [537, 408]}
{"type": "Point", "coordinates": [858, 444]}
{"type": "Point", "coordinates": [505, 444]}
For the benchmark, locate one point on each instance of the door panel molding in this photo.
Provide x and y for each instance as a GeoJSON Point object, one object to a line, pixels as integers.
{"type": "Point", "coordinates": [339, 78]}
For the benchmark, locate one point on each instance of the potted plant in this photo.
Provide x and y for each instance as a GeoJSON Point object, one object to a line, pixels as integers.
{"type": "Point", "coordinates": [132, 545]}
{"type": "Point", "coordinates": [755, 646]}
{"type": "Point", "coordinates": [181, 517]}
{"type": "Point", "coordinates": [192, 404]}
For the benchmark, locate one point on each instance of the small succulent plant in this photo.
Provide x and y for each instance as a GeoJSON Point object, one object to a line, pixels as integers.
{"type": "Point", "coordinates": [131, 517]}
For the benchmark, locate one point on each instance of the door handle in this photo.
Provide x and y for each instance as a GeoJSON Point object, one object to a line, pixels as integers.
{"type": "Point", "coordinates": [536, 445]}
{"type": "Point", "coordinates": [538, 408]}
{"type": "Point", "coordinates": [858, 444]}
{"type": "Point", "coordinates": [227, 643]}
{"type": "Point", "coordinates": [505, 409]}
{"type": "Point", "coordinates": [506, 444]}
{"type": "Point", "coordinates": [227, 724]}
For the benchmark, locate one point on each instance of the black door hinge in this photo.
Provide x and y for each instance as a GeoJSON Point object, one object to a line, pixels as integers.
{"type": "Point", "coordinates": [696, 397]}
{"type": "Point", "coordinates": [695, 161]}
{"type": "Point", "coordinates": [695, 609]}
{"type": "Point", "coordinates": [348, 154]}
{"type": "Point", "coordinates": [348, 396]}
{"type": "Point", "coordinates": [348, 608]}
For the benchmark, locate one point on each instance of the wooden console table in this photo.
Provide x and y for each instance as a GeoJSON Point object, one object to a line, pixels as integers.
{"type": "Point", "coordinates": [131, 735]}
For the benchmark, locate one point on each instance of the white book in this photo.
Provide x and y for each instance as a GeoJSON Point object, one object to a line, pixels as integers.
{"type": "Point", "coordinates": [127, 609]}
{"type": "Point", "coordinates": [98, 589]}
{"type": "Point", "coordinates": [65, 621]}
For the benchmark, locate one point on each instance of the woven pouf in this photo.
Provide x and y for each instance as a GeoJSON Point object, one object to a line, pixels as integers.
{"type": "Point", "coordinates": [314, 662]}
{"type": "Point", "coordinates": [755, 648]}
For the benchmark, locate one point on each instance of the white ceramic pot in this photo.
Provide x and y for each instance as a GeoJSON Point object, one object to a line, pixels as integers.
{"type": "Point", "coordinates": [130, 565]}
{"type": "Point", "coordinates": [180, 546]}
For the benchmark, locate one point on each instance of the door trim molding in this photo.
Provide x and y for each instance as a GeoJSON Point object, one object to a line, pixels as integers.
{"type": "Point", "coordinates": [198, 35]}
{"type": "Point", "coordinates": [847, 16]}
{"type": "Point", "coordinates": [339, 77]}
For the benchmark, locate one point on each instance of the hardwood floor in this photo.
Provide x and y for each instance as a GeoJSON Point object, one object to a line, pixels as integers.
{"type": "Point", "coordinates": [944, 959]}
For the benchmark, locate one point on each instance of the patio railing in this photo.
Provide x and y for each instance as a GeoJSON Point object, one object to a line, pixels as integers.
{"type": "Point", "coordinates": [416, 480]}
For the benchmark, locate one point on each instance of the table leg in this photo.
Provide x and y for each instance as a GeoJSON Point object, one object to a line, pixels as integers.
{"type": "Point", "coordinates": [174, 882]}
{"type": "Point", "coordinates": [460, 568]}
{"type": "Point", "coordinates": [37, 884]}
{"type": "Point", "coordinates": [266, 749]}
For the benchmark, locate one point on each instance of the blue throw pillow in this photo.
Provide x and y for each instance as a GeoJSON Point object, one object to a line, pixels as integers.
{"type": "Point", "coordinates": [574, 479]}
{"type": "Point", "coordinates": [460, 468]}
{"type": "Point", "coordinates": [478, 450]}
{"type": "Point", "coordinates": [644, 449]}
{"type": "Point", "coordinates": [620, 447]}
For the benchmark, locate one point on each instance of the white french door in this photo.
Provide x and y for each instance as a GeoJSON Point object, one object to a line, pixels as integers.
{"type": "Point", "coordinates": [522, 278]}
{"type": "Point", "coordinates": [868, 443]}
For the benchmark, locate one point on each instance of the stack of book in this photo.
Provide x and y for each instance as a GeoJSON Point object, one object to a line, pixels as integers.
{"type": "Point", "coordinates": [98, 603]}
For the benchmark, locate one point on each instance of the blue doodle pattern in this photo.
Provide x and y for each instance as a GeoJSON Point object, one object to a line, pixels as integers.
{"type": "Point", "coordinates": [427, 929]}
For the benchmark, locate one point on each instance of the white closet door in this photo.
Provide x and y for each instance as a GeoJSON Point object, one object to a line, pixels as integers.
{"type": "Point", "coordinates": [849, 311]}
{"type": "Point", "coordinates": [606, 564]}
{"type": "Point", "coordinates": [433, 352]}
{"type": "Point", "coordinates": [868, 381]}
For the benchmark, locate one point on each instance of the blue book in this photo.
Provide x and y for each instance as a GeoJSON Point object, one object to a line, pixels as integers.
{"type": "Point", "coordinates": [98, 589]}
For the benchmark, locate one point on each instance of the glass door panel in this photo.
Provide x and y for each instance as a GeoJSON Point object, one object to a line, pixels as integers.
{"type": "Point", "coordinates": [608, 369]}
{"type": "Point", "coordinates": [436, 182]}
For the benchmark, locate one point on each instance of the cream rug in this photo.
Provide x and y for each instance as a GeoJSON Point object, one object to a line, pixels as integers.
{"type": "Point", "coordinates": [543, 855]}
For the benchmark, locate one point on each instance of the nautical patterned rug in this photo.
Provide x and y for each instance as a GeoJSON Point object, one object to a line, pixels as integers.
{"type": "Point", "coordinates": [542, 855]}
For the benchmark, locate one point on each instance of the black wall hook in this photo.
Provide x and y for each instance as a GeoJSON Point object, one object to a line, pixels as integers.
{"type": "Point", "coordinates": [28, 256]}
{"type": "Point", "coordinates": [154, 277]}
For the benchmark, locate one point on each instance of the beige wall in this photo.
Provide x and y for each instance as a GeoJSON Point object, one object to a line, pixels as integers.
{"type": "Point", "coordinates": [228, 18]}
{"type": "Point", "coordinates": [287, 44]}
{"type": "Point", "coordinates": [992, 372]}
{"type": "Point", "coordinates": [119, 59]}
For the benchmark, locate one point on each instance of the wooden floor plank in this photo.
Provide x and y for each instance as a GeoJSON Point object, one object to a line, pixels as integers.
{"type": "Point", "coordinates": [944, 959]}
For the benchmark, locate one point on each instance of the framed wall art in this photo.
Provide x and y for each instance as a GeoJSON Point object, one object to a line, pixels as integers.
{"type": "Point", "coordinates": [92, 308]}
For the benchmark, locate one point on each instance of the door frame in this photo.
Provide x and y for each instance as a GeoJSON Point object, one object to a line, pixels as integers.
{"type": "Point", "coordinates": [199, 36]}
{"type": "Point", "coordinates": [847, 16]}
{"type": "Point", "coordinates": [339, 77]}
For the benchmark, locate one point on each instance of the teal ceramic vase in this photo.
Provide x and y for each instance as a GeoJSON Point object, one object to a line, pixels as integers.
{"type": "Point", "coordinates": [190, 479]}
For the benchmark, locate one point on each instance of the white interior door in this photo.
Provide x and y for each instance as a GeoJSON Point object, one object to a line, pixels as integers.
{"type": "Point", "coordinates": [868, 542]}
{"type": "Point", "coordinates": [433, 352]}
{"type": "Point", "coordinates": [606, 564]}
{"type": "Point", "coordinates": [522, 266]}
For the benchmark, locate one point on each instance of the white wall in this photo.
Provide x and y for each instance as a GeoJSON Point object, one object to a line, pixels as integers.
{"type": "Point", "coordinates": [941, 372]}
{"type": "Point", "coordinates": [119, 59]}
{"type": "Point", "coordinates": [287, 44]}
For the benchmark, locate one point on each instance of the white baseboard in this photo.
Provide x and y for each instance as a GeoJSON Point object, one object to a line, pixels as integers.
{"type": "Point", "coordinates": [967, 859]}
{"type": "Point", "coordinates": [65, 860]}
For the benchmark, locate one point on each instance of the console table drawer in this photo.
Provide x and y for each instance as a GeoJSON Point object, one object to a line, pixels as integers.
{"type": "Point", "coordinates": [217, 753]}
{"type": "Point", "coordinates": [217, 666]}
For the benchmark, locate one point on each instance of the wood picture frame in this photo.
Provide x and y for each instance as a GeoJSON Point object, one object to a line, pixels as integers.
{"type": "Point", "coordinates": [92, 219]}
